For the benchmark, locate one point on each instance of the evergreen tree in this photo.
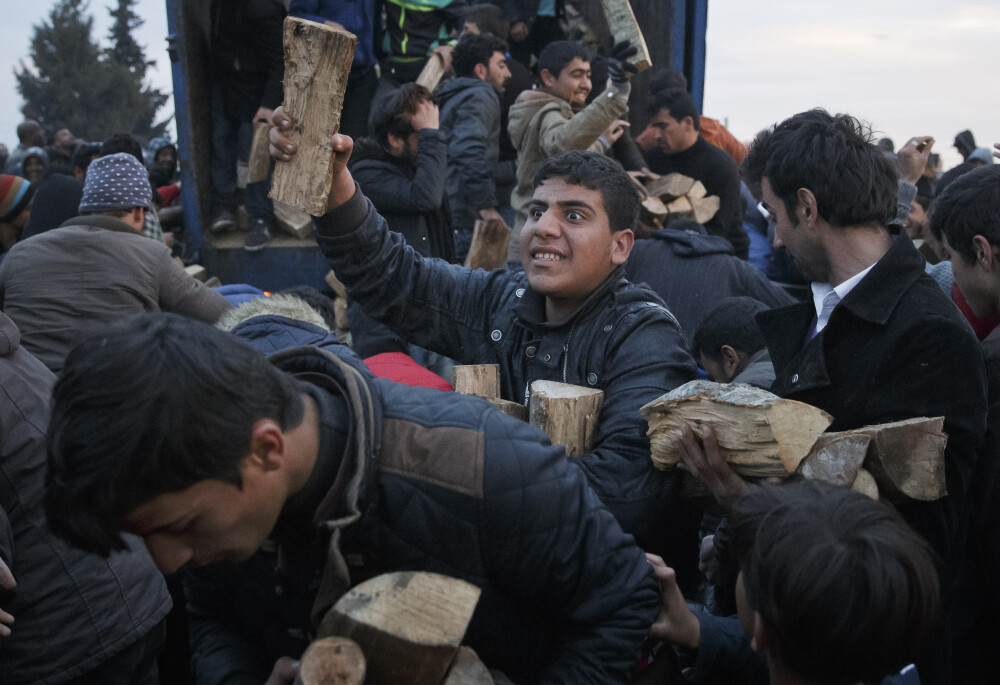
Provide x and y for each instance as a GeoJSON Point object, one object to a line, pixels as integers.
{"type": "Point", "coordinates": [72, 83]}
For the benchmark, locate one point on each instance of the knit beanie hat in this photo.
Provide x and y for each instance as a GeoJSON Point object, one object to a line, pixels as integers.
{"type": "Point", "coordinates": [117, 181]}
{"type": "Point", "coordinates": [15, 194]}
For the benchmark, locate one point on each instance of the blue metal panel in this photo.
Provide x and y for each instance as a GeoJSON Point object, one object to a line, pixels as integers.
{"type": "Point", "coordinates": [192, 221]}
{"type": "Point", "coordinates": [678, 30]}
{"type": "Point", "coordinates": [272, 269]}
{"type": "Point", "coordinates": [697, 25]}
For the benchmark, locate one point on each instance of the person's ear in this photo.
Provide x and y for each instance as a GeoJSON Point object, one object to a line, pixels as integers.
{"type": "Point", "coordinates": [688, 123]}
{"type": "Point", "coordinates": [806, 206]}
{"type": "Point", "coordinates": [622, 242]}
{"type": "Point", "coordinates": [267, 445]}
{"type": "Point", "coordinates": [547, 78]}
{"type": "Point", "coordinates": [984, 252]}
{"type": "Point", "coordinates": [396, 144]}
{"type": "Point", "coordinates": [731, 360]}
{"type": "Point", "coordinates": [481, 71]}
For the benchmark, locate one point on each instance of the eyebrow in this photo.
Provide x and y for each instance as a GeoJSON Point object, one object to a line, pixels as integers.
{"type": "Point", "coordinates": [562, 204]}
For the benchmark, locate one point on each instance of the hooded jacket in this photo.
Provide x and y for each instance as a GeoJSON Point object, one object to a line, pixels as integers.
{"type": "Point", "coordinates": [73, 610]}
{"type": "Point", "coordinates": [421, 480]}
{"type": "Point", "coordinates": [693, 272]}
{"type": "Point", "coordinates": [622, 341]}
{"type": "Point", "coordinates": [470, 122]}
{"type": "Point", "coordinates": [542, 124]}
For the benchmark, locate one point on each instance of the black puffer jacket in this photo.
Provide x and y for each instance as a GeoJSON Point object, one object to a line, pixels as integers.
{"type": "Point", "coordinates": [470, 122]}
{"type": "Point", "coordinates": [73, 610]}
{"type": "Point", "coordinates": [622, 341]}
{"type": "Point", "coordinates": [425, 480]}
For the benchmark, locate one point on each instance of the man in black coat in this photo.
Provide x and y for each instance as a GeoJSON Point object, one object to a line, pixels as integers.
{"type": "Point", "coordinates": [878, 341]}
{"type": "Point", "coordinates": [353, 476]}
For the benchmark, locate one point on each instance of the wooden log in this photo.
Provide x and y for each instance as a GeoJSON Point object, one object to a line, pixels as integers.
{"type": "Point", "coordinates": [836, 458]}
{"type": "Point", "coordinates": [197, 272]}
{"type": "Point", "coordinates": [482, 380]}
{"type": "Point", "coordinates": [293, 222]}
{"type": "Point", "coordinates": [260, 157]}
{"type": "Point", "coordinates": [680, 207]}
{"type": "Point", "coordinates": [670, 187]}
{"type": "Point", "coordinates": [317, 64]}
{"type": "Point", "coordinates": [331, 661]}
{"type": "Point", "coordinates": [408, 624]}
{"type": "Point", "coordinates": [432, 73]}
{"type": "Point", "coordinates": [467, 669]}
{"type": "Point", "coordinates": [865, 483]}
{"type": "Point", "coordinates": [907, 458]}
{"type": "Point", "coordinates": [624, 27]}
{"type": "Point", "coordinates": [653, 208]}
{"type": "Point", "coordinates": [696, 191]}
{"type": "Point", "coordinates": [518, 411]}
{"type": "Point", "coordinates": [488, 249]}
{"type": "Point", "coordinates": [704, 208]}
{"type": "Point", "coordinates": [759, 433]}
{"type": "Point", "coordinates": [567, 413]}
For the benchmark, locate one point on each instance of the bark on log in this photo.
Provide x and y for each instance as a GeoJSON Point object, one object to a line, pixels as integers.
{"type": "Point", "coordinates": [907, 458]}
{"type": "Point", "coordinates": [409, 625]}
{"type": "Point", "coordinates": [332, 661]}
{"type": "Point", "coordinates": [865, 484]}
{"type": "Point", "coordinates": [488, 249]}
{"type": "Point", "coordinates": [567, 413]}
{"type": "Point", "coordinates": [260, 157]}
{"type": "Point", "coordinates": [317, 64]}
{"type": "Point", "coordinates": [336, 286]}
{"type": "Point", "coordinates": [293, 222]}
{"type": "Point", "coordinates": [624, 27]}
{"type": "Point", "coordinates": [759, 433]}
{"type": "Point", "coordinates": [836, 458]}
{"type": "Point", "coordinates": [482, 380]}
{"type": "Point", "coordinates": [432, 73]}
{"type": "Point", "coordinates": [671, 186]}
{"type": "Point", "coordinates": [467, 669]}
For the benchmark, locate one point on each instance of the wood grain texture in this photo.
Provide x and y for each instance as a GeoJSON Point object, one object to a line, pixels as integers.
{"type": "Point", "coordinates": [332, 661]}
{"type": "Point", "coordinates": [624, 27]}
{"type": "Point", "coordinates": [567, 413]}
{"type": "Point", "coordinates": [432, 73]}
{"type": "Point", "coordinates": [317, 64]}
{"type": "Point", "coordinates": [260, 157]}
{"type": "Point", "coordinates": [482, 380]}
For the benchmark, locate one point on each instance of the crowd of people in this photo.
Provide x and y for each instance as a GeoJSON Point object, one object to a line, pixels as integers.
{"type": "Point", "coordinates": [191, 477]}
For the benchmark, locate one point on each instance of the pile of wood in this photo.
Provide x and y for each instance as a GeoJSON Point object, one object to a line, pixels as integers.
{"type": "Point", "coordinates": [404, 627]}
{"type": "Point", "coordinates": [343, 331]}
{"type": "Point", "coordinates": [676, 196]}
{"type": "Point", "coordinates": [567, 413]}
{"type": "Point", "coordinates": [759, 433]}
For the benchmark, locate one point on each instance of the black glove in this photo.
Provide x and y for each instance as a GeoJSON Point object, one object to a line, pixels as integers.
{"type": "Point", "coordinates": [619, 68]}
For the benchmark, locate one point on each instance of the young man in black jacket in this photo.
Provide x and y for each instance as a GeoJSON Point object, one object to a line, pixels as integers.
{"type": "Point", "coordinates": [189, 437]}
{"type": "Point", "coordinates": [570, 317]}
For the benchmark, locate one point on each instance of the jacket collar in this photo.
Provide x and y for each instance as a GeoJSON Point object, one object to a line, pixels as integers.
{"type": "Point", "coordinates": [531, 307]}
{"type": "Point", "coordinates": [877, 295]}
{"type": "Point", "coordinates": [108, 223]}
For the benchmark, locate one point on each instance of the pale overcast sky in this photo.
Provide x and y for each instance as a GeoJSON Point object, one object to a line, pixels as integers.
{"type": "Point", "coordinates": [910, 68]}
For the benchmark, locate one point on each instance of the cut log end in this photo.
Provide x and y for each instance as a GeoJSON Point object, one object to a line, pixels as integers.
{"type": "Point", "coordinates": [567, 413]}
{"type": "Point", "coordinates": [332, 661]}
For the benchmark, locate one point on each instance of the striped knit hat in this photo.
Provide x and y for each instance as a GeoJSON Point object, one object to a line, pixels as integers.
{"type": "Point", "coordinates": [15, 194]}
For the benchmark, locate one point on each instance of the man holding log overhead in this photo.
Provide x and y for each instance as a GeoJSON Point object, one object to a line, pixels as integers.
{"type": "Point", "coordinates": [878, 341]}
{"type": "Point", "coordinates": [570, 317]}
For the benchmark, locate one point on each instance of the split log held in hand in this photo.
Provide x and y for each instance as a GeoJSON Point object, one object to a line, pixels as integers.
{"type": "Point", "coordinates": [624, 27]}
{"type": "Point", "coordinates": [332, 661]}
{"type": "Point", "coordinates": [408, 624]}
{"type": "Point", "coordinates": [759, 433]}
{"type": "Point", "coordinates": [260, 158]}
{"type": "Point", "coordinates": [432, 73]}
{"type": "Point", "coordinates": [483, 380]}
{"type": "Point", "coordinates": [317, 64]}
{"type": "Point", "coordinates": [488, 249]}
{"type": "Point", "coordinates": [567, 413]}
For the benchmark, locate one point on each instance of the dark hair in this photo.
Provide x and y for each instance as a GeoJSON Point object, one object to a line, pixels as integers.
{"type": "Point", "coordinates": [731, 322]}
{"type": "Point", "coordinates": [831, 155]}
{"type": "Point", "coordinates": [969, 207]}
{"type": "Point", "coordinates": [488, 19]}
{"type": "Point", "coordinates": [665, 78]}
{"type": "Point", "coordinates": [472, 50]}
{"type": "Point", "coordinates": [597, 172]}
{"type": "Point", "coordinates": [122, 142]}
{"type": "Point", "coordinates": [557, 54]}
{"type": "Point", "coordinates": [679, 104]}
{"type": "Point", "coordinates": [150, 406]}
{"type": "Point", "coordinates": [85, 154]}
{"type": "Point", "coordinates": [392, 115]}
{"type": "Point", "coordinates": [848, 588]}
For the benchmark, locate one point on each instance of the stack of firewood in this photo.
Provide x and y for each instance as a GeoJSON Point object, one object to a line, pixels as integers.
{"type": "Point", "coordinates": [676, 196]}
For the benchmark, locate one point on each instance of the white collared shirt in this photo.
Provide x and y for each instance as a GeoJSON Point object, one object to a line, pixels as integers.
{"type": "Point", "coordinates": [825, 297]}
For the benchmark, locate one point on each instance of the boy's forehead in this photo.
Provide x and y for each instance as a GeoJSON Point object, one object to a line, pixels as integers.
{"type": "Point", "coordinates": [559, 189]}
{"type": "Point", "coordinates": [163, 510]}
{"type": "Point", "coordinates": [575, 64]}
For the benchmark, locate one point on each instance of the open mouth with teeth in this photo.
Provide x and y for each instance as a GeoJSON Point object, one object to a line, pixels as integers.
{"type": "Point", "coordinates": [547, 257]}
